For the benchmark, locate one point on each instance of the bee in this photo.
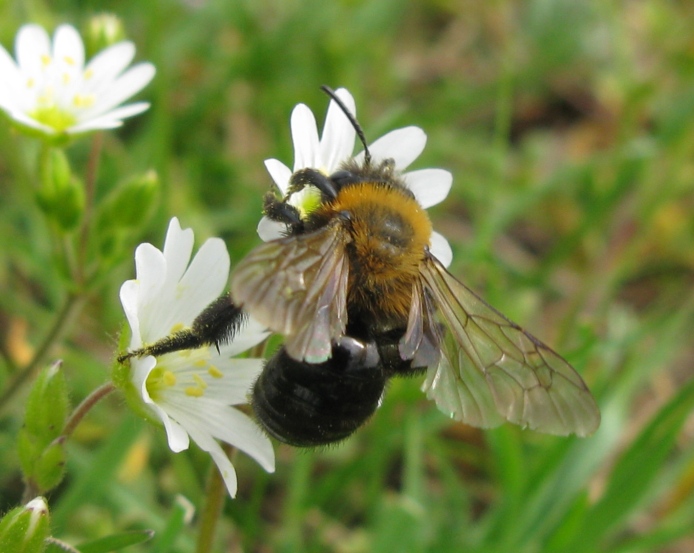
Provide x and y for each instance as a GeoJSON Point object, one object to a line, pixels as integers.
{"type": "Point", "coordinates": [359, 298]}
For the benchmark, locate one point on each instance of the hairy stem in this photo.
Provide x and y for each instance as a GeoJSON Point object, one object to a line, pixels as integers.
{"type": "Point", "coordinates": [83, 408]}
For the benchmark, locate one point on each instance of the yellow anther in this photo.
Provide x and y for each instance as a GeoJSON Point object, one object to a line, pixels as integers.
{"type": "Point", "coordinates": [214, 372]}
{"type": "Point", "coordinates": [200, 363]}
{"type": "Point", "coordinates": [169, 378]}
{"type": "Point", "coordinates": [199, 381]}
{"type": "Point", "coordinates": [177, 327]}
{"type": "Point", "coordinates": [46, 59]}
{"type": "Point", "coordinates": [194, 391]}
{"type": "Point", "coordinates": [68, 60]}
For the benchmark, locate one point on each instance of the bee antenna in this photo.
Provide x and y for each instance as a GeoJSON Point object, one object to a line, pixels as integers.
{"type": "Point", "coordinates": [357, 127]}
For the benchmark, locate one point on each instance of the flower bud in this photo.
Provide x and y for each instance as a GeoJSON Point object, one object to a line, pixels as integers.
{"type": "Point", "coordinates": [103, 30]}
{"type": "Point", "coordinates": [25, 529]}
{"type": "Point", "coordinates": [61, 196]}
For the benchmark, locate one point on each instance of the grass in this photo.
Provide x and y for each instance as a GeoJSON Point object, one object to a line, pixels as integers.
{"type": "Point", "coordinates": [569, 129]}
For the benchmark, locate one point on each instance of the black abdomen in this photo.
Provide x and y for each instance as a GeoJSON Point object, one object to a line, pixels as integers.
{"type": "Point", "coordinates": [306, 405]}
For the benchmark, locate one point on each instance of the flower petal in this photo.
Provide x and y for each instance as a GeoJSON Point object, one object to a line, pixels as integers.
{"type": "Point", "coordinates": [305, 137]}
{"type": "Point", "coordinates": [429, 186]}
{"type": "Point", "coordinates": [440, 248]}
{"type": "Point", "coordinates": [32, 48]}
{"type": "Point", "coordinates": [280, 173]}
{"type": "Point", "coordinates": [68, 47]}
{"type": "Point", "coordinates": [125, 86]}
{"type": "Point", "coordinates": [403, 146]}
{"type": "Point", "coordinates": [111, 120]}
{"type": "Point", "coordinates": [178, 247]}
{"type": "Point", "coordinates": [270, 230]}
{"type": "Point", "coordinates": [337, 141]}
{"type": "Point", "coordinates": [107, 64]}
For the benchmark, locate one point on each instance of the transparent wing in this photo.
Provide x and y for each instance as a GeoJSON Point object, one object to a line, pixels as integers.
{"type": "Point", "coordinates": [297, 286]}
{"type": "Point", "coordinates": [491, 369]}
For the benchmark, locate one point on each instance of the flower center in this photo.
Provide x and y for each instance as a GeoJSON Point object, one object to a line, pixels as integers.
{"type": "Point", "coordinates": [54, 117]}
{"type": "Point", "coordinates": [184, 371]}
{"type": "Point", "coordinates": [59, 93]}
{"type": "Point", "coordinates": [306, 200]}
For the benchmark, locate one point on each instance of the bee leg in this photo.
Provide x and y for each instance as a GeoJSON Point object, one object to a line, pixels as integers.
{"type": "Point", "coordinates": [282, 212]}
{"type": "Point", "coordinates": [216, 325]}
{"type": "Point", "coordinates": [315, 178]}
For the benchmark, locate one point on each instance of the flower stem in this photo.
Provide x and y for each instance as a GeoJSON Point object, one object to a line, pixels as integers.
{"type": "Point", "coordinates": [84, 407]}
{"type": "Point", "coordinates": [90, 188]}
{"type": "Point", "coordinates": [61, 325]}
{"type": "Point", "coordinates": [215, 493]}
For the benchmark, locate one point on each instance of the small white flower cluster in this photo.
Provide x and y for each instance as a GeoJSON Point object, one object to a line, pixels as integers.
{"type": "Point", "coordinates": [50, 90]}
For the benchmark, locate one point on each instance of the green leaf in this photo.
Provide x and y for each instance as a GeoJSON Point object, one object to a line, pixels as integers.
{"type": "Point", "coordinates": [115, 542]}
{"type": "Point", "coordinates": [636, 469]}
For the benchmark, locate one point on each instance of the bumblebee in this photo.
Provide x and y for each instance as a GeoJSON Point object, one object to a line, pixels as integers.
{"type": "Point", "coordinates": [359, 298]}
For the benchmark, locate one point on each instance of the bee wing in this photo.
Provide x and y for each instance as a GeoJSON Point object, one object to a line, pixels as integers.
{"type": "Point", "coordinates": [297, 286]}
{"type": "Point", "coordinates": [491, 369]}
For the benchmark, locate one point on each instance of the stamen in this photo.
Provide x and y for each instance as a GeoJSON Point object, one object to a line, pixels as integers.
{"type": "Point", "coordinates": [199, 381]}
{"type": "Point", "coordinates": [214, 372]}
{"type": "Point", "coordinates": [169, 378]}
{"type": "Point", "coordinates": [194, 391]}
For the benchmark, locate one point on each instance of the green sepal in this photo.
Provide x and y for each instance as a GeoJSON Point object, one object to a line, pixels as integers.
{"type": "Point", "coordinates": [41, 454]}
{"type": "Point", "coordinates": [61, 195]}
{"type": "Point", "coordinates": [50, 467]}
{"type": "Point", "coordinates": [25, 529]}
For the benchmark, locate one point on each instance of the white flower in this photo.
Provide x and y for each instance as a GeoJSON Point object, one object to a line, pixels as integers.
{"type": "Point", "coordinates": [336, 145]}
{"type": "Point", "coordinates": [50, 90]}
{"type": "Point", "coordinates": [192, 392]}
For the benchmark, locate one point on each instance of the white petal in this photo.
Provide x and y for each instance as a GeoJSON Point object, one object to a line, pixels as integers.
{"type": "Point", "coordinates": [67, 44]}
{"type": "Point", "coordinates": [226, 469]}
{"type": "Point", "coordinates": [128, 84]}
{"type": "Point", "coordinates": [11, 79]}
{"type": "Point", "coordinates": [401, 145]}
{"type": "Point", "coordinates": [110, 120]}
{"type": "Point", "coordinates": [205, 420]}
{"type": "Point", "coordinates": [337, 142]}
{"type": "Point", "coordinates": [429, 186]}
{"type": "Point", "coordinates": [32, 43]}
{"type": "Point", "coordinates": [270, 230]}
{"type": "Point", "coordinates": [129, 300]}
{"type": "Point", "coordinates": [204, 281]}
{"type": "Point", "coordinates": [175, 433]}
{"type": "Point", "coordinates": [178, 247]}
{"type": "Point", "coordinates": [280, 173]}
{"type": "Point", "coordinates": [238, 377]}
{"type": "Point", "coordinates": [110, 62]}
{"type": "Point", "coordinates": [251, 334]}
{"type": "Point", "coordinates": [304, 137]}
{"type": "Point", "coordinates": [440, 248]}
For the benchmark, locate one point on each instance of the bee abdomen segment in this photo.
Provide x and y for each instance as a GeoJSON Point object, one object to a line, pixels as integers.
{"type": "Point", "coordinates": [307, 405]}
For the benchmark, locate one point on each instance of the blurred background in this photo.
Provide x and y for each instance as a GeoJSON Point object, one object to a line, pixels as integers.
{"type": "Point", "coordinates": [569, 129]}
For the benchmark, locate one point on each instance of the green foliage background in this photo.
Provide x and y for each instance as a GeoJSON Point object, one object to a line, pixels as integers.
{"type": "Point", "coordinates": [569, 128]}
